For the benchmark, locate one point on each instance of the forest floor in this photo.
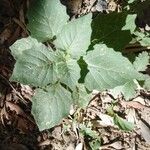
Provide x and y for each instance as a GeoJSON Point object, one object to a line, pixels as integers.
{"type": "Point", "coordinates": [17, 126]}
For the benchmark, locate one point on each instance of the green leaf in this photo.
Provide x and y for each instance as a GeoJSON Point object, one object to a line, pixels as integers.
{"type": "Point", "coordinates": [131, 1]}
{"type": "Point", "coordinates": [49, 106]}
{"type": "Point", "coordinates": [113, 29]}
{"type": "Point", "coordinates": [35, 66]}
{"type": "Point", "coordinates": [95, 144]}
{"type": "Point", "coordinates": [108, 69]}
{"type": "Point", "coordinates": [88, 131]}
{"type": "Point", "coordinates": [147, 83]}
{"type": "Point", "coordinates": [141, 61]}
{"type": "Point", "coordinates": [75, 37]}
{"type": "Point", "coordinates": [23, 44]}
{"type": "Point", "coordinates": [123, 124]}
{"type": "Point", "coordinates": [69, 72]}
{"type": "Point", "coordinates": [128, 90]}
{"type": "Point", "coordinates": [46, 19]}
{"type": "Point", "coordinates": [130, 23]}
{"type": "Point", "coordinates": [80, 96]}
{"type": "Point", "coordinates": [143, 39]}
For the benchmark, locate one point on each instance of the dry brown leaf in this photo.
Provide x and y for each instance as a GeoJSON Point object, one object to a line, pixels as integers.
{"type": "Point", "coordinates": [112, 6]}
{"type": "Point", "coordinates": [4, 114]}
{"type": "Point", "coordinates": [5, 35]}
{"type": "Point", "coordinates": [132, 104]}
{"type": "Point", "coordinates": [140, 100]}
{"type": "Point", "coordinates": [106, 120]}
{"type": "Point", "coordinates": [116, 145]}
{"type": "Point", "coordinates": [131, 115]}
{"type": "Point", "coordinates": [15, 36]}
{"type": "Point", "coordinates": [27, 92]}
{"type": "Point", "coordinates": [79, 146]}
{"type": "Point", "coordinates": [44, 143]}
{"type": "Point", "coordinates": [16, 108]}
{"type": "Point", "coordinates": [24, 125]}
{"type": "Point", "coordinates": [145, 131]}
{"type": "Point", "coordinates": [57, 133]}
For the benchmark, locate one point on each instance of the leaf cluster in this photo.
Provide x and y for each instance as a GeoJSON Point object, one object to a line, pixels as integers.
{"type": "Point", "coordinates": [63, 74]}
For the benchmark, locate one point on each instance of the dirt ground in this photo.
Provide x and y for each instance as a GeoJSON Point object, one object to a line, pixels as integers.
{"type": "Point", "coordinates": [81, 129]}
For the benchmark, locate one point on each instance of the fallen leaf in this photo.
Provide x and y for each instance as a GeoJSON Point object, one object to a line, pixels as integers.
{"type": "Point", "coordinates": [79, 146]}
{"type": "Point", "coordinates": [44, 143]}
{"type": "Point", "coordinates": [131, 117]}
{"type": "Point", "coordinates": [132, 104]}
{"type": "Point", "coordinates": [27, 92]}
{"type": "Point", "coordinates": [140, 100]}
{"type": "Point", "coordinates": [24, 125]}
{"type": "Point", "coordinates": [145, 131]}
{"type": "Point", "coordinates": [106, 120]}
{"type": "Point", "coordinates": [16, 108]}
{"type": "Point", "coordinates": [116, 145]}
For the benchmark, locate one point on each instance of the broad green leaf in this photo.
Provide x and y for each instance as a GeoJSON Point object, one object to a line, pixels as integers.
{"type": "Point", "coordinates": [23, 44]}
{"type": "Point", "coordinates": [113, 29]}
{"type": "Point", "coordinates": [123, 124]}
{"type": "Point", "coordinates": [75, 37]}
{"type": "Point", "coordinates": [130, 23]}
{"type": "Point", "coordinates": [147, 83]}
{"type": "Point", "coordinates": [108, 69]}
{"type": "Point", "coordinates": [35, 66]}
{"type": "Point", "coordinates": [49, 106]}
{"type": "Point", "coordinates": [69, 72]}
{"type": "Point", "coordinates": [46, 19]}
{"type": "Point", "coordinates": [128, 90]}
{"type": "Point", "coordinates": [80, 96]}
{"type": "Point", "coordinates": [141, 61]}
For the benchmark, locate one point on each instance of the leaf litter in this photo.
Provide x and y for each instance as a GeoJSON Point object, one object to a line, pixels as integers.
{"type": "Point", "coordinates": [92, 127]}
